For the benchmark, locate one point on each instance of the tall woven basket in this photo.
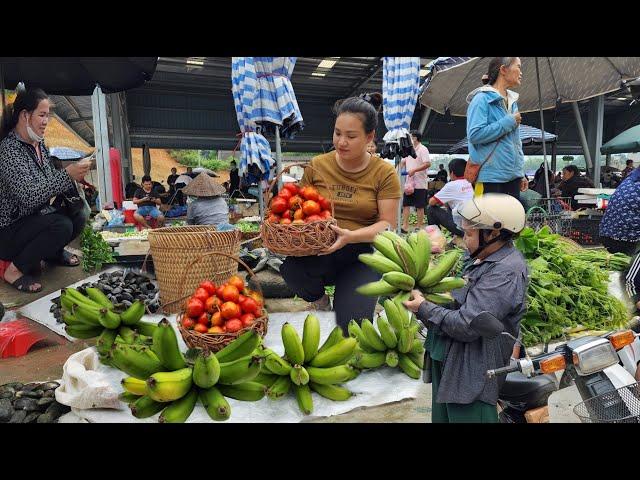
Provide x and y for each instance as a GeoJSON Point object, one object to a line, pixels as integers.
{"type": "Point", "coordinates": [297, 240]}
{"type": "Point", "coordinates": [175, 248]}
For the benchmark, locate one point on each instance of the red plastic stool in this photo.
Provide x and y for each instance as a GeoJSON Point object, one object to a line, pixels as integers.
{"type": "Point", "coordinates": [16, 338]}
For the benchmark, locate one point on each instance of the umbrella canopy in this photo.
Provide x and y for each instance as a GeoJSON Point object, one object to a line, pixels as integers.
{"type": "Point", "coordinates": [254, 148]}
{"type": "Point", "coordinates": [565, 79]}
{"type": "Point", "coordinates": [77, 75]}
{"type": "Point", "coordinates": [146, 160]}
{"type": "Point", "coordinates": [627, 142]}
{"type": "Point", "coordinates": [276, 104]}
{"type": "Point", "coordinates": [528, 135]}
{"type": "Point", "coordinates": [400, 85]}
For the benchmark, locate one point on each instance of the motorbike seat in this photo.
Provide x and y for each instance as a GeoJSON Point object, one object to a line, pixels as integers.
{"type": "Point", "coordinates": [532, 392]}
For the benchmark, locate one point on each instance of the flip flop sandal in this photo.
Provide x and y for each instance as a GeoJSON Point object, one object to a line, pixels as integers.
{"type": "Point", "coordinates": [23, 283]}
{"type": "Point", "coordinates": [65, 260]}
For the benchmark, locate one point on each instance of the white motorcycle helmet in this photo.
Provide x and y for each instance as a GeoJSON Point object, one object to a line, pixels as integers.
{"type": "Point", "coordinates": [493, 211]}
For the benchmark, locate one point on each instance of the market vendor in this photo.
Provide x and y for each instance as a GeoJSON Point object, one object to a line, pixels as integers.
{"type": "Point", "coordinates": [620, 226]}
{"type": "Point", "coordinates": [205, 204]}
{"type": "Point", "coordinates": [496, 283]}
{"type": "Point", "coordinates": [366, 190]}
{"type": "Point", "coordinates": [31, 228]}
{"type": "Point", "coordinates": [148, 200]}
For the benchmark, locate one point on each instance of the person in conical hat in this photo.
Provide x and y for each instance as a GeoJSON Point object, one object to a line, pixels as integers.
{"type": "Point", "coordinates": [205, 204]}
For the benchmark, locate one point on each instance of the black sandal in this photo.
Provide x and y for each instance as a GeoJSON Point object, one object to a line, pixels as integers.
{"type": "Point", "coordinates": [65, 259]}
{"type": "Point", "coordinates": [23, 283]}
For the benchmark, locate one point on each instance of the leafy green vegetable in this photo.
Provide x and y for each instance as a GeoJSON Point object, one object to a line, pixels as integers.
{"type": "Point", "coordinates": [95, 251]}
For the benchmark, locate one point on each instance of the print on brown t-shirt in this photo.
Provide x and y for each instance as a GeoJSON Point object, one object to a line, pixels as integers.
{"type": "Point", "coordinates": [356, 195]}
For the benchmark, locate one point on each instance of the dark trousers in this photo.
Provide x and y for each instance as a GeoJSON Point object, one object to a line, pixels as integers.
{"type": "Point", "coordinates": [619, 246]}
{"type": "Point", "coordinates": [307, 277]}
{"type": "Point", "coordinates": [39, 237]}
{"type": "Point", "coordinates": [443, 217]}
{"type": "Point", "coordinates": [510, 188]}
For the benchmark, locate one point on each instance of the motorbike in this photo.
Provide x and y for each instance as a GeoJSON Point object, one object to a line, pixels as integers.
{"type": "Point", "coordinates": [609, 392]}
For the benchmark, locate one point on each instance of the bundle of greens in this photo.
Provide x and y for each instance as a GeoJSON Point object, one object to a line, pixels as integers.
{"type": "Point", "coordinates": [95, 251]}
{"type": "Point", "coordinates": [567, 289]}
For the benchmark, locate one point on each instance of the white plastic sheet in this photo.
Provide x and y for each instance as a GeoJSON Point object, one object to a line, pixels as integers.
{"type": "Point", "coordinates": [371, 388]}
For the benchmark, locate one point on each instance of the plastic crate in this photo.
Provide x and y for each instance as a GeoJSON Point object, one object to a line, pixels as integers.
{"type": "Point", "coordinates": [585, 230]}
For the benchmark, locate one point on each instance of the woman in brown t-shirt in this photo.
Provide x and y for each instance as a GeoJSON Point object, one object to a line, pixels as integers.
{"type": "Point", "coordinates": [366, 192]}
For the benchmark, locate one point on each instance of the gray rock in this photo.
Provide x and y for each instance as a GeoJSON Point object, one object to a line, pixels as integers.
{"type": "Point", "coordinates": [45, 418]}
{"type": "Point", "coordinates": [30, 394]}
{"type": "Point", "coordinates": [18, 416]}
{"type": "Point", "coordinates": [56, 410]}
{"type": "Point", "coordinates": [14, 385]}
{"type": "Point", "coordinates": [6, 410]}
{"type": "Point", "coordinates": [272, 285]}
{"type": "Point", "coordinates": [29, 387]}
{"type": "Point", "coordinates": [49, 394]}
{"type": "Point", "coordinates": [32, 417]}
{"type": "Point", "coordinates": [7, 392]}
{"type": "Point", "coordinates": [27, 404]}
{"type": "Point", "coordinates": [50, 385]}
{"type": "Point", "coordinates": [46, 401]}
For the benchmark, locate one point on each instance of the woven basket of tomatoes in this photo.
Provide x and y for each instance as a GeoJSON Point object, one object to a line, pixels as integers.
{"type": "Point", "coordinates": [298, 220]}
{"type": "Point", "coordinates": [216, 314]}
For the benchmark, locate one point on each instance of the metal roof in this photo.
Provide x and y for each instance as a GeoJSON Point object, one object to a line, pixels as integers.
{"type": "Point", "coordinates": [188, 104]}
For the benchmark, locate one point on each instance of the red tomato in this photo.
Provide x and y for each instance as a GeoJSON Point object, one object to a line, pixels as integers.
{"type": "Point", "coordinates": [273, 218]}
{"type": "Point", "coordinates": [204, 319]}
{"type": "Point", "coordinates": [215, 330]}
{"type": "Point", "coordinates": [285, 221]}
{"type": "Point", "coordinates": [257, 297]}
{"type": "Point", "coordinates": [200, 328]}
{"type": "Point", "coordinates": [325, 214]}
{"type": "Point", "coordinates": [292, 187]}
{"type": "Point", "coordinates": [241, 299]}
{"type": "Point", "coordinates": [230, 293]}
{"type": "Point", "coordinates": [237, 282]}
{"type": "Point", "coordinates": [209, 286]}
{"type": "Point", "coordinates": [234, 325]}
{"type": "Point", "coordinates": [212, 304]}
{"type": "Point", "coordinates": [188, 323]}
{"type": "Point", "coordinates": [313, 218]}
{"type": "Point", "coordinates": [324, 203]}
{"type": "Point", "coordinates": [195, 307]}
{"type": "Point", "coordinates": [219, 291]}
{"type": "Point", "coordinates": [298, 214]}
{"type": "Point", "coordinates": [310, 193]}
{"type": "Point", "coordinates": [286, 214]}
{"type": "Point", "coordinates": [217, 320]}
{"type": "Point", "coordinates": [230, 310]}
{"type": "Point", "coordinates": [298, 222]}
{"type": "Point", "coordinates": [311, 208]}
{"type": "Point", "coordinates": [201, 294]}
{"type": "Point", "coordinates": [247, 319]}
{"type": "Point", "coordinates": [249, 306]}
{"type": "Point", "coordinates": [278, 205]}
{"type": "Point", "coordinates": [286, 194]}
{"type": "Point", "coordinates": [295, 201]}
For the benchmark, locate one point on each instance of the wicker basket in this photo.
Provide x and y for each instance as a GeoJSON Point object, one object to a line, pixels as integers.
{"type": "Point", "coordinates": [174, 248]}
{"type": "Point", "coordinates": [215, 342]}
{"type": "Point", "coordinates": [301, 240]}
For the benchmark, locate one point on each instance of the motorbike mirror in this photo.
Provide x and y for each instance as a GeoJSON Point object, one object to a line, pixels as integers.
{"type": "Point", "coordinates": [486, 324]}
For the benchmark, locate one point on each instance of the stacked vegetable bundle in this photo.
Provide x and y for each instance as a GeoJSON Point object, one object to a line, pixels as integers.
{"type": "Point", "coordinates": [567, 289]}
{"type": "Point", "coordinates": [307, 366]}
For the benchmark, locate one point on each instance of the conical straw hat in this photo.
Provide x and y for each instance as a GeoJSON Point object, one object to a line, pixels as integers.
{"type": "Point", "coordinates": [204, 186]}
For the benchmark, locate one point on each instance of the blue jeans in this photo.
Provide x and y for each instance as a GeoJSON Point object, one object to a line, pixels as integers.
{"type": "Point", "coordinates": [151, 210]}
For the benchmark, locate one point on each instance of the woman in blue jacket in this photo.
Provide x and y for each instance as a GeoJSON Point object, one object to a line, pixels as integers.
{"type": "Point", "coordinates": [492, 129]}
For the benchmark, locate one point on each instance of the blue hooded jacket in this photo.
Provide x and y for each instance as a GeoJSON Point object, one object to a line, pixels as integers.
{"type": "Point", "coordinates": [488, 121]}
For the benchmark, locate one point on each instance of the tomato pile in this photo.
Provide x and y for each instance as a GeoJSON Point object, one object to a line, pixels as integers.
{"type": "Point", "coordinates": [227, 308]}
{"type": "Point", "coordinates": [295, 205]}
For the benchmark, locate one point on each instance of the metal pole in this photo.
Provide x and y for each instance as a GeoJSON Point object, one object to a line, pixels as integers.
{"type": "Point", "coordinates": [544, 143]}
{"type": "Point", "coordinates": [554, 159]}
{"type": "Point", "coordinates": [398, 159]}
{"type": "Point", "coordinates": [101, 138]}
{"type": "Point", "coordinates": [583, 137]}
{"type": "Point", "coordinates": [424, 119]}
{"type": "Point", "coordinates": [278, 158]}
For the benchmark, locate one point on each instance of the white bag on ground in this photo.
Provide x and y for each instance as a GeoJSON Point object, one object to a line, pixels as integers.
{"type": "Point", "coordinates": [83, 386]}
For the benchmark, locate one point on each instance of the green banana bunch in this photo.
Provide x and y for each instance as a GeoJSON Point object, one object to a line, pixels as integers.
{"type": "Point", "coordinates": [334, 337]}
{"type": "Point", "coordinates": [247, 391]}
{"type": "Point", "coordinates": [276, 364]}
{"type": "Point", "coordinates": [132, 315]}
{"type": "Point", "coordinates": [293, 349]}
{"type": "Point", "coordinates": [169, 386]}
{"type": "Point", "coordinates": [242, 370]}
{"type": "Point", "coordinates": [433, 276]}
{"type": "Point", "coordinates": [399, 280]}
{"type": "Point", "coordinates": [446, 285]}
{"type": "Point", "coordinates": [299, 375]}
{"type": "Point", "coordinates": [242, 346]}
{"type": "Point", "coordinates": [106, 341]}
{"type": "Point", "coordinates": [372, 336]}
{"type": "Point", "coordinates": [165, 346]}
{"type": "Point", "coordinates": [146, 407]}
{"type": "Point", "coordinates": [364, 360]}
{"type": "Point", "coordinates": [215, 404]}
{"type": "Point", "coordinates": [386, 247]}
{"type": "Point", "coordinates": [355, 331]}
{"type": "Point", "coordinates": [136, 361]}
{"type": "Point", "coordinates": [332, 392]}
{"type": "Point", "coordinates": [338, 354]}
{"type": "Point", "coordinates": [83, 331]}
{"type": "Point", "coordinates": [376, 289]}
{"type": "Point", "coordinates": [279, 388]}
{"type": "Point", "coordinates": [330, 375]}
{"type": "Point", "coordinates": [100, 298]}
{"type": "Point", "coordinates": [135, 386]}
{"type": "Point", "coordinates": [310, 337]}
{"type": "Point", "coordinates": [379, 262]}
{"type": "Point", "coordinates": [266, 379]}
{"type": "Point", "coordinates": [303, 397]}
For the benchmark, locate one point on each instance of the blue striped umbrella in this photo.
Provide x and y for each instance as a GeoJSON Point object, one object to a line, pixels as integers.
{"type": "Point", "coordinates": [400, 85]}
{"type": "Point", "coordinates": [254, 148]}
{"type": "Point", "coordinates": [528, 136]}
{"type": "Point", "coordinates": [277, 106]}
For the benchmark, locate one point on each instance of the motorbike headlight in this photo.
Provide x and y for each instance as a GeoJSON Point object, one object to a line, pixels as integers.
{"type": "Point", "coordinates": [594, 357]}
